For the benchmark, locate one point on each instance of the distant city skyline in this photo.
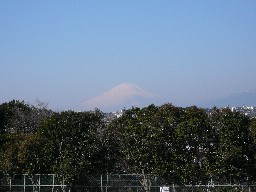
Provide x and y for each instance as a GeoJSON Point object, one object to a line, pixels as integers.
{"type": "Point", "coordinates": [72, 53]}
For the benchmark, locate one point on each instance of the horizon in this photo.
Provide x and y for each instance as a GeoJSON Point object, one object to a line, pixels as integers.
{"type": "Point", "coordinates": [69, 53]}
{"type": "Point", "coordinates": [121, 107]}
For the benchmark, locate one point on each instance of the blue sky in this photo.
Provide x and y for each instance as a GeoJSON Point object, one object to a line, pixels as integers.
{"type": "Point", "coordinates": [66, 52]}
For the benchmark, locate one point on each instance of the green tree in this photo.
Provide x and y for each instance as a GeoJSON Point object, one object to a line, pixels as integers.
{"type": "Point", "coordinates": [165, 121]}
{"type": "Point", "coordinates": [68, 144]}
{"type": "Point", "coordinates": [143, 140]}
{"type": "Point", "coordinates": [252, 163]}
{"type": "Point", "coordinates": [140, 142]}
{"type": "Point", "coordinates": [18, 122]}
{"type": "Point", "coordinates": [21, 118]}
{"type": "Point", "coordinates": [192, 144]}
{"type": "Point", "coordinates": [233, 157]}
{"type": "Point", "coordinates": [14, 117]}
{"type": "Point", "coordinates": [113, 144]}
{"type": "Point", "coordinates": [10, 147]}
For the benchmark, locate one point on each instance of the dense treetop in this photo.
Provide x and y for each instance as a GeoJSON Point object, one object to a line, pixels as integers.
{"type": "Point", "coordinates": [180, 145]}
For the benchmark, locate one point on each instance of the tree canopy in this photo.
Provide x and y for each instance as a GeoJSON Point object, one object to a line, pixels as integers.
{"type": "Point", "coordinates": [180, 145]}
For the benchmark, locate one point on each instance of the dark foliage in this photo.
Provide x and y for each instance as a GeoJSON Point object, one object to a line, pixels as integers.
{"type": "Point", "coordinates": [180, 145]}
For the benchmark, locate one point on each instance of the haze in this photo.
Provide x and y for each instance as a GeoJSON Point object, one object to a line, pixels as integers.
{"type": "Point", "coordinates": [66, 53]}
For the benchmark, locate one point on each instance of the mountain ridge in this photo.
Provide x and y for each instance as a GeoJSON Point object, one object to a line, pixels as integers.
{"type": "Point", "coordinates": [124, 95]}
{"type": "Point", "coordinates": [246, 98]}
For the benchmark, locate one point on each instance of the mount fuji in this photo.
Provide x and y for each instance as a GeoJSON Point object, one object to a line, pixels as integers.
{"type": "Point", "coordinates": [125, 95]}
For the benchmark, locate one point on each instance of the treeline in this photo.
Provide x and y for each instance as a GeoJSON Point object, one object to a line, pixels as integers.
{"type": "Point", "coordinates": [180, 145]}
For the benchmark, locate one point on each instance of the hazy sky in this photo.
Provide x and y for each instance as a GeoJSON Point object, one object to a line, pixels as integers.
{"type": "Point", "coordinates": [66, 52]}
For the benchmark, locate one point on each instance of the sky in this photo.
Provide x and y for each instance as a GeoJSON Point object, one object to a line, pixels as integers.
{"type": "Point", "coordinates": [67, 53]}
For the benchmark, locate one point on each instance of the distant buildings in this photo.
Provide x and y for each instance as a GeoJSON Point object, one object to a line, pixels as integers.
{"type": "Point", "coordinates": [248, 111]}
{"type": "Point", "coordinates": [108, 117]}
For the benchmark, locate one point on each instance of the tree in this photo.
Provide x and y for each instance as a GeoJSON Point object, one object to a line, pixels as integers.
{"type": "Point", "coordinates": [233, 156]}
{"type": "Point", "coordinates": [166, 120]}
{"type": "Point", "coordinates": [192, 145]}
{"type": "Point", "coordinates": [132, 135]}
{"type": "Point", "coordinates": [68, 144]}
{"type": "Point", "coordinates": [144, 140]}
{"type": "Point", "coordinates": [21, 118]}
{"type": "Point", "coordinates": [13, 117]}
{"type": "Point", "coordinates": [18, 122]}
{"type": "Point", "coordinates": [10, 147]}
{"type": "Point", "coordinates": [140, 136]}
{"type": "Point", "coordinates": [252, 162]}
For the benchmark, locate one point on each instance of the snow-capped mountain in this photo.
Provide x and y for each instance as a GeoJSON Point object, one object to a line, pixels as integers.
{"type": "Point", "coordinates": [121, 96]}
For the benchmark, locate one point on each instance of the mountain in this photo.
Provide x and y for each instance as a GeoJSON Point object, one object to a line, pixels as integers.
{"type": "Point", "coordinates": [121, 96]}
{"type": "Point", "coordinates": [247, 98]}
